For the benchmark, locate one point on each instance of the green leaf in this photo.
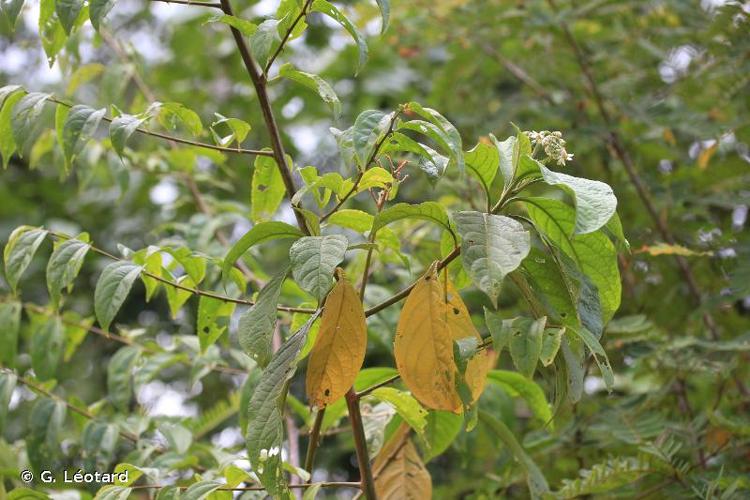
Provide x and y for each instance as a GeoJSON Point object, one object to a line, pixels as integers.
{"type": "Point", "coordinates": [26, 119]}
{"type": "Point", "coordinates": [177, 297]}
{"type": "Point", "coordinates": [120, 376]}
{"type": "Point", "coordinates": [98, 442]}
{"type": "Point", "coordinates": [242, 25]}
{"type": "Point", "coordinates": [334, 13]}
{"type": "Point", "coordinates": [314, 258]}
{"type": "Point", "coordinates": [483, 161]}
{"type": "Point", "coordinates": [516, 385]}
{"type": "Point", "coordinates": [7, 384]}
{"type": "Point", "coordinates": [441, 430]}
{"type": "Point", "coordinates": [492, 246]}
{"type": "Point", "coordinates": [10, 323]}
{"type": "Point", "coordinates": [448, 134]}
{"type": "Point", "coordinates": [76, 329]}
{"type": "Point", "coordinates": [267, 188]}
{"type": "Point", "coordinates": [201, 490]}
{"type": "Point", "coordinates": [265, 36]}
{"type": "Point", "coordinates": [430, 161]}
{"type": "Point", "coordinates": [368, 129]}
{"type": "Point", "coordinates": [256, 326]}
{"type": "Point", "coordinates": [18, 252]}
{"type": "Point", "coordinates": [170, 114]}
{"type": "Point", "coordinates": [9, 12]}
{"type": "Point", "coordinates": [526, 343]}
{"type": "Point", "coordinates": [265, 433]}
{"type": "Point", "coordinates": [47, 348]}
{"type": "Point", "coordinates": [593, 253]}
{"type": "Point", "coordinates": [572, 349]}
{"type": "Point", "coordinates": [385, 13]}
{"type": "Point", "coordinates": [538, 486]}
{"type": "Point", "coordinates": [67, 12]}
{"type": "Point", "coordinates": [260, 233]}
{"type": "Point", "coordinates": [405, 405]}
{"type": "Point", "coordinates": [7, 141]}
{"type": "Point", "coordinates": [112, 289]}
{"type": "Point", "coordinates": [314, 83]}
{"type": "Point", "coordinates": [550, 286]}
{"type": "Point", "coordinates": [600, 356]}
{"type": "Point", "coordinates": [356, 220]}
{"type": "Point", "coordinates": [64, 265]}
{"type": "Point", "coordinates": [98, 9]}
{"type": "Point", "coordinates": [595, 202]}
{"type": "Point", "coordinates": [50, 30]}
{"type": "Point", "coordinates": [367, 377]}
{"type": "Point", "coordinates": [508, 155]}
{"type": "Point", "coordinates": [43, 438]}
{"type": "Point", "coordinates": [213, 317]}
{"type": "Point", "coordinates": [121, 128]}
{"type": "Point", "coordinates": [550, 345]}
{"type": "Point", "coordinates": [430, 211]}
{"type": "Point", "coordinates": [500, 330]}
{"type": "Point", "coordinates": [239, 130]}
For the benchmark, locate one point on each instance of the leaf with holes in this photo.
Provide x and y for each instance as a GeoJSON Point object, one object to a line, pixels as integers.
{"type": "Point", "coordinates": [267, 188]}
{"type": "Point", "coordinates": [213, 319]}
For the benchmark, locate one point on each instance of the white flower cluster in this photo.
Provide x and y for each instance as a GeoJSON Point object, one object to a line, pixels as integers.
{"type": "Point", "coordinates": [553, 144]}
{"type": "Point", "coordinates": [264, 455]}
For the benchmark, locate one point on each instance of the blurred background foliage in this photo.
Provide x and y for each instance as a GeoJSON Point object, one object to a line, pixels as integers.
{"type": "Point", "coordinates": [652, 97]}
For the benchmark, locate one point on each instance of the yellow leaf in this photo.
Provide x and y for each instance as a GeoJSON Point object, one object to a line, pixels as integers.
{"type": "Point", "coordinates": [667, 249]}
{"type": "Point", "coordinates": [705, 156]}
{"type": "Point", "coordinates": [460, 326]}
{"type": "Point", "coordinates": [399, 471]}
{"type": "Point", "coordinates": [340, 347]}
{"type": "Point", "coordinates": [424, 347]}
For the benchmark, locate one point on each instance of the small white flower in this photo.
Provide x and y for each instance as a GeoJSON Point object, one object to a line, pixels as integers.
{"type": "Point", "coordinates": [263, 455]}
{"type": "Point", "coordinates": [273, 451]}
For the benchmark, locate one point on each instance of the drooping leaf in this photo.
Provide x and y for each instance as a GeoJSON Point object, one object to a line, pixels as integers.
{"type": "Point", "coordinates": [47, 345]}
{"type": "Point", "coordinates": [385, 13]}
{"type": "Point", "coordinates": [20, 249]}
{"type": "Point", "coordinates": [201, 490]}
{"type": "Point", "coordinates": [51, 30]}
{"type": "Point", "coordinates": [265, 411]}
{"type": "Point", "coordinates": [550, 345]}
{"type": "Point", "coordinates": [7, 384]}
{"type": "Point", "coordinates": [9, 12]}
{"type": "Point", "coordinates": [368, 129]}
{"type": "Point", "coordinates": [405, 405]}
{"type": "Point", "coordinates": [120, 376]}
{"type": "Point", "coordinates": [526, 343]}
{"type": "Point", "coordinates": [314, 258]}
{"type": "Point", "coordinates": [267, 188]}
{"type": "Point", "coordinates": [64, 265]}
{"type": "Point", "coordinates": [10, 323]}
{"type": "Point", "coordinates": [26, 119]}
{"type": "Point", "coordinates": [213, 318]}
{"type": "Point", "coordinates": [536, 481]}
{"type": "Point", "coordinates": [430, 211]}
{"type": "Point", "coordinates": [398, 469]}
{"type": "Point", "coordinates": [98, 9]}
{"type": "Point", "coordinates": [593, 253]}
{"type": "Point", "coordinates": [314, 83]}
{"type": "Point", "coordinates": [244, 26]}
{"type": "Point", "coordinates": [447, 132]}
{"type": "Point", "coordinates": [43, 438]}
{"type": "Point", "coordinates": [600, 356]}
{"type": "Point", "coordinates": [424, 348]}
{"type": "Point", "coordinates": [356, 220]}
{"type": "Point", "coordinates": [67, 12]}
{"type": "Point", "coordinates": [121, 128]}
{"type": "Point", "coordinates": [334, 13]}
{"type": "Point", "coordinates": [7, 141]}
{"type": "Point", "coordinates": [255, 331]}
{"type": "Point", "coordinates": [112, 289]}
{"type": "Point", "coordinates": [98, 442]}
{"type": "Point", "coordinates": [519, 386]}
{"type": "Point", "coordinates": [492, 246]}
{"type": "Point", "coordinates": [260, 233]}
{"type": "Point", "coordinates": [340, 346]}
{"type": "Point", "coordinates": [441, 430]}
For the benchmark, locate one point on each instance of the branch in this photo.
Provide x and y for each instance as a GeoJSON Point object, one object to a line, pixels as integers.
{"type": "Point", "coordinates": [360, 445]}
{"type": "Point", "coordinates": [314, 440]}
{"type": "Point", "coordinates": [259, 82]}
{"type": "Point", "coordinates": [194, 291]}
{"type": "Point", "coordinates": [288, 33]}
{"type": "Point", "coordinates": [329, 484]}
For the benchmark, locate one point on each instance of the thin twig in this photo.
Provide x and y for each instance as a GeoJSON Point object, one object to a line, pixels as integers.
{"type": "Point", "coordinates": [288, 33]}
{"type": "Point", "coordinates": [360, 445]}
{"type": "Point", "coordinates": [189, 2]}
{"type": "Point", "coordinates": [328, 484]}
{"type": "Point", "coordinates": [178, 140]}
{"type": "Point", "coordinates": [194, 291]}
{"type": "Point", "coordinates": [314, 440]}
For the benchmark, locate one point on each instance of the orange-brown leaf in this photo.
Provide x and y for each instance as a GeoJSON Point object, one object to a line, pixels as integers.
{"type": "Point", "coordinates": [340, 347]}
{"type": "Point", "coordinates": [399, 471]}
{"type": "Point", "coordinates": [424, 347]}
